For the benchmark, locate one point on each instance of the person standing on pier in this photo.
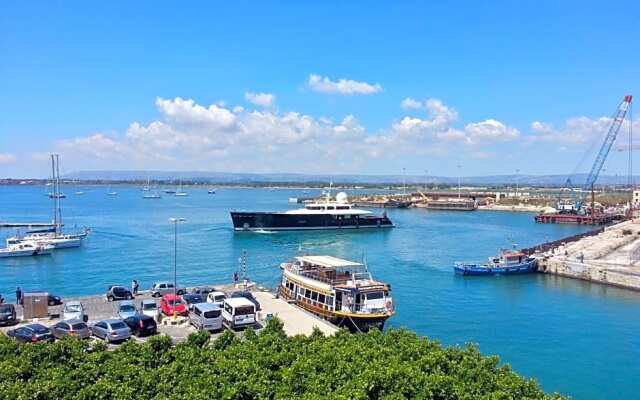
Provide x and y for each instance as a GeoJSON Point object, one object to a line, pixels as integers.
{"type": "Point", "coordinates": [134, 287]}
{"type": "Point", "coordinates": [18, 295]}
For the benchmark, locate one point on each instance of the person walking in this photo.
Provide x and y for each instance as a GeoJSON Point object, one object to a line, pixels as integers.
{"type": "Point", "coordinates": [134, 287]}
{"type": "Point", "coordinates": [18, 295]}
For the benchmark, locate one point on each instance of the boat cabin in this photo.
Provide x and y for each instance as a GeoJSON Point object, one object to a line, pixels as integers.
{"type": "Point", "coordinates": [328, 284]}
{"type": "Point", "coordinates": [510, 258]}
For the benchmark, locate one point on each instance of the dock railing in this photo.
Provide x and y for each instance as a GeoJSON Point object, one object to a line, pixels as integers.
{"type": "Point", "coordinates": [544, 247]}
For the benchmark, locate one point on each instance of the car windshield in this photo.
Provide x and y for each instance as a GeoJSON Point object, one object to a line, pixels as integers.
{"type": "Point", "coordinates": [5, 308]}
{"type": "Point", "coordinates": [177, 302]}
{"type": "Point", "coordinates": [118, 325]}
{"type": "Point", "coordinates": [73, 308]}
{"type": "Point", "coordinates": [78, 326]}
{"type": "Point", "coordinates": [212, 314]}
{"type": "Point", "coordinates": [127, 307]}
{"type": "Point", "coordinates": [39, 329]}
{"type": "Point", "coordinates": [149, 306]}
{"type": "Point", "coordinates": [244, 310]}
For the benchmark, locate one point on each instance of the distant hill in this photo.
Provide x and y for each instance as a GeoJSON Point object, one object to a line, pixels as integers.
{"type": "Point", "coordinates": [240, 178]}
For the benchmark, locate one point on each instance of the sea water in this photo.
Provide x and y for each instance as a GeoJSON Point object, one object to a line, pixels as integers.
{"type": "Point", "coordinates": [580, 339]}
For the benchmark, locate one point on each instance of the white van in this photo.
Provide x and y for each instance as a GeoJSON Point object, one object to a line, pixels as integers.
{"type": "Point", "coordinates": [206, 316]}
{"type": "Point", "coordinates": [238, 312]}
{"type": "Point", "coordinates": [216, 298]}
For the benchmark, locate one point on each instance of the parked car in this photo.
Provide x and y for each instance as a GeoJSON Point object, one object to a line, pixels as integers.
{"type": "Point", "coordinates": [161, 288]}
{"type": "Point", "coordinates": [191, 298]}
{"type": "Point", "coordinates": [127, 309]}
{"type": "Point", "coordinates": [141, 325]}
{"type": "Point", "coordinates": [73, 327]}
{"type": "Point", "coordinates": [32, 333]}
{"type": "Point", "coordinates": [111, 330]}
{"type": "Point", "coordinates": [216, 298]}
{"type": "Point", "coordinates": [54, 300]}
{"type": "Point", "coordinates": [74, 310]}
{"type": "Point", "coordinates": [150, 308]}
{"type": "Point", "coordinates": [118, 293]}
{"type": "Point", "coordinates": [238, 312]}
{"type": "Point", "coordinates": [170, 303]}
{"type": "Point", "coordinates": [203, 290]}
{"type": "Point", "coordinates": [8, 314]}
{"type": "Point", "coordinates": [248, 296]}
{"type": "Point", "coordinates": [206, 316]}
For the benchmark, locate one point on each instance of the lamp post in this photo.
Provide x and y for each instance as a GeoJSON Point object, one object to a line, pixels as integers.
{"type": "Point", "coordinates": [175, 260]}
{"type": "Point", "coordinates": [459, 178]}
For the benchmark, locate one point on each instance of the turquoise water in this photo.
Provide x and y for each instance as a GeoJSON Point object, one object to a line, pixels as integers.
{"type": "Point", "coordinates": [576, 338]}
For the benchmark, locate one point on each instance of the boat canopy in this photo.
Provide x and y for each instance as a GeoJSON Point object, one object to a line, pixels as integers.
{"type": "Point", "coordinates": [329, 262]}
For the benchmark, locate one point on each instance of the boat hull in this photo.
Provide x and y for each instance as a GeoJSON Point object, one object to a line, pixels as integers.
{"type": "Point", "coordinates": [256, 221]}
{"type": "Point", "coordinates": [515, 269]}
{"type": "Point", "coordinates": [26, 253]}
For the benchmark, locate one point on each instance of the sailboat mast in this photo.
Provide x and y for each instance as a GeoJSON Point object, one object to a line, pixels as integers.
{"type": "Point", "coordinates": [58, 194]}
{"type": "Point", "coordinates": [54, 194]}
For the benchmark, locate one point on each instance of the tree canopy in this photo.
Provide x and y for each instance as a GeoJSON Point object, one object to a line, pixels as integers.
{"type": "Point", "coordinates": [396, 364]}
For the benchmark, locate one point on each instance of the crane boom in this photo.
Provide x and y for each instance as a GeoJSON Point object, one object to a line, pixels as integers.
{"type": "Point", "coordinates": [612, 133]}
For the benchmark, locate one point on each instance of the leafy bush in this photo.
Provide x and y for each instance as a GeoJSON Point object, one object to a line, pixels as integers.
{"type": "Point", "coordinates": [396, 364]}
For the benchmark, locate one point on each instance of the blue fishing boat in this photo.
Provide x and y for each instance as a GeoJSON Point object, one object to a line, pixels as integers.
{"type": "Point", "coordinates": [509, 262]}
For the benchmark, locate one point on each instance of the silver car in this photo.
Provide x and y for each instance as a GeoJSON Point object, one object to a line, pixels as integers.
{"type": "Point", "coordinates": [72, 327]}
{"type": "Point", "coordinates": [159, 289]}
{"type": "Point", "coordinates": [111, 330]}
{"type": "Point", "coordinates": [73, 310]}
{"type": "Point", "coordinates": [127, 309]}
{"type": "Point", "coordinates": [150, 308]}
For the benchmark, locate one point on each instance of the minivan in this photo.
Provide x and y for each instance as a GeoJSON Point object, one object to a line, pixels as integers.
{"type": "Point", "coordinates": [238, 312]}
{"type": "Point", "coordinates": [216, 298]}
{"type": "Point", "coordinates": [206, 316]}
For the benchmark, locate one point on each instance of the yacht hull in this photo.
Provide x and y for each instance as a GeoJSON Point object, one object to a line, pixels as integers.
{"type": "Point", "coordinates": [474, 269]}
{"type": "Point", "coordinates": [255, 221]}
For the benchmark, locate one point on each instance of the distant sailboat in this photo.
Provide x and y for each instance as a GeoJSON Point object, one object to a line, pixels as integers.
{"type": "Point", "coordinates": [179, 192]}
{"type": "Point", "coordinates": [150, 195]}
{"type": "Point", "coordinates": [212, 191]}
{"type": "Point", "coordinates": [147, 187]}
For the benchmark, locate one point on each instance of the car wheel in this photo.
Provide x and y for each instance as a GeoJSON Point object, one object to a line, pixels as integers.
{"type": "Point", "coordinates": [155, 295]}
{"type": "Point", "coordinates": [106, 339]}
{"type": "Point", "coordinates": [129, 297]}
{"type": "Point", "coordinates": [109, 298]}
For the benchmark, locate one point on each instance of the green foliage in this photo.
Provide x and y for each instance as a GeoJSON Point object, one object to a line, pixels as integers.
{"type": "Point", "coordinates": [397, 364]}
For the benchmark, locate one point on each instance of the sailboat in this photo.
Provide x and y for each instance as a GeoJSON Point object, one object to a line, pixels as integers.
{"type": "Point", "coordinates": [54, 237]}
{"type": "Point", "coordinates": [111, 192]}
{"type": "Point", "coordinates": [212, 190]}
{"type": "Point", "coordinates": [179, 192]}
{"type": "Point", "coordinates": [152, 195]}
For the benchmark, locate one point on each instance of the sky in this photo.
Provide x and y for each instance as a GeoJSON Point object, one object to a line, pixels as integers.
{"type": "Point", "coordinates": [470, 88]}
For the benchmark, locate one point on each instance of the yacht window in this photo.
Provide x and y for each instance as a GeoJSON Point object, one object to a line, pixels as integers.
{"type": "Point", "coordinates": [331, 208]}
{"type": "Point", "coordinates": [374, 296]}
{"type": "Point", "coordinates": [307, 293]}
{"type": "Point", "coordinates": [314, 296]}
{"type": "Point", "coordinates": [321, 298]}
{"type": "Point", "coordinates": [329, 300]}
{"type": "Point", "coordinates": [342, 207]}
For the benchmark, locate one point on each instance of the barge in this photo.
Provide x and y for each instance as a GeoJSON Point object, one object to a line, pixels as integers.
{"type": "Point", "coordinates": [340, 291]}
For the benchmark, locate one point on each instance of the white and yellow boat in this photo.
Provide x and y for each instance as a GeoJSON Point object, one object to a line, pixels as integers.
{"type": "Point", "coordinates": [341, 291]}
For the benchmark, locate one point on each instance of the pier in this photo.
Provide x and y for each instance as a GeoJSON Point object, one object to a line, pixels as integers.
{"type": "Point", "coordinates": [295, 320]}
{"type": "Point", "coordinates": [609, 256]}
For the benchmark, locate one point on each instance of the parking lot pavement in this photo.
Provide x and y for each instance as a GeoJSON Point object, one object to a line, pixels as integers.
{"type": "Point", "coordinates": [295, 320]}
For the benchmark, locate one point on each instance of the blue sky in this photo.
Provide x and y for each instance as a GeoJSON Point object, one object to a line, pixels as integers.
{"type": "Point", "coordinates": [495, 87]}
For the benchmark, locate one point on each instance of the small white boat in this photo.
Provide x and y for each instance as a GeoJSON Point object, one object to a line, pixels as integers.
{"type": "Point", "coordinates": [26, 249]}
{"type": "Point", "coordinates": [152, 196]}
{"type": "Point", "coordinates": [79, 193]}
{"type": "Point", "coordinates": [211, 191]}
{"type": "Point", "coordinates": [56, 240]}
{"type": "Point", "coordinates": [181, 194]}
{"type": "Point", "coordinates": [112, 194]}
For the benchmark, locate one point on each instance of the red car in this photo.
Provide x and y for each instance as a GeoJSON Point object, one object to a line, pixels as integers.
{"type": "Point", "coordinates": [170, 304]}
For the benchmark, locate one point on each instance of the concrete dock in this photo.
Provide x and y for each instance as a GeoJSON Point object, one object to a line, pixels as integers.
{"type": "Point", "coordinates": [611, 257]}
{"type": "Point", "coordinates": [296, 321]}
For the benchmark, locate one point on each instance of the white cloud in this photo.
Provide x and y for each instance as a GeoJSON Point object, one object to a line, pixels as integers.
{"type": "Point", "coordinates": [7, 158]}
{"type": "Point", "coordinates": [192, 136]}
{"type": "Point", "coordinates": [261, 99]}
{"type": "Point", "coordinates": [574, 131]}
{"type": "Point", "coordinates": [490, 131]}
{"type": "Point", "coordinates": [411, 104]}
{"type": "Point", "coordinates": [321, 84]}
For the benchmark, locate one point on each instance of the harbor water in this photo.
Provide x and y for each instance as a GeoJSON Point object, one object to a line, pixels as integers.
{"type": "Point", "coordinates": [576, 338]}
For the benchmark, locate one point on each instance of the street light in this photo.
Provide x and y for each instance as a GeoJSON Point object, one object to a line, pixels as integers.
{"type": "Point", "coordinates": [175, 259]}
{"type": "Point", "coordinates": [459, 178]}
